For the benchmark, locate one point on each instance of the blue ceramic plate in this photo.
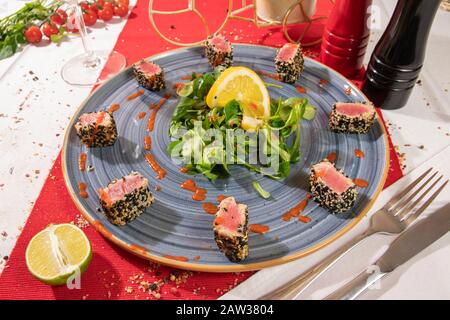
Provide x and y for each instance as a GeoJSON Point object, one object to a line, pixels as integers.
{"type": "Point", "coordinates": [175, 225]}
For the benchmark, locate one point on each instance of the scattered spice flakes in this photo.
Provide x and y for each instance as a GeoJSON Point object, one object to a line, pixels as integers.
{"type": "Point", "coordinates": [80, 221]}
{"type": "Point", "coordinates": [421, 147]}
{"type": "Point", "coordinates": [129, 289]}
{"type": "Point", "coordinates": [401, 157]}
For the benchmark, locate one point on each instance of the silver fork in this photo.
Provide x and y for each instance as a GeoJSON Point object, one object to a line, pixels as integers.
{"type": "Point", "coordinates": [393, 218]}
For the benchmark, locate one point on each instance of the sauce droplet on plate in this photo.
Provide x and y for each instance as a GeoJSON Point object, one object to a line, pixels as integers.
{"type": "Point", "coordinates": [332, 156]}
{"type": "Point", "coordinates": [160, 172]}
{"type": "Point", "coordinates": [155, 108]}
{"type": "Point", "coordinates": [348, 91]}
{"type": "Point", "coordinates": [209, 207]}
{"type": "Point", "coordinates": [258, 228]}
{"type": "Point", "coordinates": [141, 115]}
{"type": "Point", "coordinates": [147, 143]}
{"type": "Point", "coordinates": [135, 95]}
{"type": "Point", "coordinates": [220, 197]}
{"type": "Point", "coordinates": [184, 169]}
{"type": "Point", "coordinates": [114, 107]}
{"type": "Point", "coordinates": [359, 153]}
{"type": "Point", "coordinates": [361, 182]}
{"type": "Point", "coordinates": [304, 219]}
{"type": "Point", "coordinates": [300, 89]}
{"type": "Point", "coordinates": [82, 186]}
{"type": "Point", "coordinates": [295, 211]}
{"type": "Point", "coordinates": [82, 161]}
{"type": "Point", "coordinates": [199, 193]}
{"type": "Point", "coordinates": [269, 75]}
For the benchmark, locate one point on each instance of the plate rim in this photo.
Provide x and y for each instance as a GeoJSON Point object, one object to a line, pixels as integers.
{"type": "Point", "coordinates": [144, 253]}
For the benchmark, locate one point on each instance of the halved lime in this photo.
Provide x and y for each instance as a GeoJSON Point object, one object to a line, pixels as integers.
{"type": "Point", "coordinates": [58, 252]}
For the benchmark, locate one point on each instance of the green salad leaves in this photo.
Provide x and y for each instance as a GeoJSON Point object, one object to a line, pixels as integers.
{"type": "Point", "coordinates": [208, 141]}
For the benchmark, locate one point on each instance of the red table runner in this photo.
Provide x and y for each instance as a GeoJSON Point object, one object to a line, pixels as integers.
{"type": "Point", "coordinates": [115, 273]}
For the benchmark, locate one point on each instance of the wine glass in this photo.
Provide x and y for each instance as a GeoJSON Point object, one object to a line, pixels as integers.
{"type": "Point", "coordinates": [92, 66]}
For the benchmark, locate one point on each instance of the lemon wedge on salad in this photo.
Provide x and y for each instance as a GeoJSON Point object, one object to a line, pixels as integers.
{"type": "Point", "coordinates": [245, 86]}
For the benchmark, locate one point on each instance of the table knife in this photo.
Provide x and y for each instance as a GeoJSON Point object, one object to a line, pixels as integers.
{"type": "Point", "coordinates": [405, 247]}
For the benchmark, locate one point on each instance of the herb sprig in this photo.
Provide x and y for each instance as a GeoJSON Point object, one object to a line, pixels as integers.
{"type": "Point", "coordinates": [12, 27]}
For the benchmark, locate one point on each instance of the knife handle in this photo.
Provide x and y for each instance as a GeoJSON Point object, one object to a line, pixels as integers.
{"type": "Point", "coordinates": [352, 289]}
{"type": "Point", "coordinates": [291, 290]}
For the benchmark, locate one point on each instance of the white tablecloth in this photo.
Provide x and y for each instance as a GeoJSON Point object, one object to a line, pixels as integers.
{"type": "Point", "coordinates": [37, 105]}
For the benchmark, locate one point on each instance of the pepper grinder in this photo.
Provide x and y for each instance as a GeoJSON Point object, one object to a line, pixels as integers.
{"type": "Point", "coordinates": [398, 57]}
{"type": "Point", "coordinates": [346, 35]}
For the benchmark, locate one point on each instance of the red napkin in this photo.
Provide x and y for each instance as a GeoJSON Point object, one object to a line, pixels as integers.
{"type": "Point", "coordinates": [115, 273]}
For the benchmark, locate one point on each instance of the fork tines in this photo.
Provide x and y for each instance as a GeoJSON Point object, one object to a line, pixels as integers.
{"type": "Point", "coordinates": [402, 204]}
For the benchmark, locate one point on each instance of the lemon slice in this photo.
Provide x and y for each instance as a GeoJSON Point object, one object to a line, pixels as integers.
{"type": "Point", "coordinates": [245, 86]}
{"type": "Point", "coordinates": [57, 252]}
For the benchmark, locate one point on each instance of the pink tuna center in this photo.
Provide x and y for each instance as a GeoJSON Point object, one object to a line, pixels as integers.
{"type": "Point", "coordinates": [232, 219]}
{"type": "Point", "coordinates": [120, 188]}
{"type": "Point", "coordinates": [220, 44]}
{"type": "Point", "coordinates": [288, 52]}
{"type": "Point", "coordinates": [331, 177]}
{"type": "Point", "coordinates": [149, 67]}
{"type": "Point", "coordinates": [90, 118]}
{"type": "Point", "coordinates": [352, 109]}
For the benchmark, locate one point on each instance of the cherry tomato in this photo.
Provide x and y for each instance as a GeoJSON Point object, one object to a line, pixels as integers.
{"type": "Point", "coordinates": [89, 17]}
{"type": "Point", "coordinates": [108, 4]}
{"type": "Point", "coordinates": [121, 10]}
{"type": "Point", "coordinates": [93, 7]}
{"type": "Point", "coordinates": [105, 14]}
{"type": "Point", "coordinates": [101, 3]}
{"type": "Point", "coordinates": [84, 5]}
{"type": "Point", "coordinates": [59, 17]}
{"type": "Point", "coordinates": [49, 29]}
{"type": "Point", "coordinates": [33, 34]}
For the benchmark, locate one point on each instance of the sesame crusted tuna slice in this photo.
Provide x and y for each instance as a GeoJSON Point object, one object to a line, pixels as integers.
{"type": "Point", "coordinates": [331, 188]}
{"type": "Point", "coordinates": [289, 62]}
{"type": "Point", "coordinates": [125, 199]}
{"type": "Point", "coordinates": [219, 51]}
{"type": "Point", "coordinates": [96, 129]}
{"type": "Point", "coordinates": [352, 117]}
{"type": "Point", "coordinates": [231, 229]}
{"type": "Point", "coordinates": [149, 75]}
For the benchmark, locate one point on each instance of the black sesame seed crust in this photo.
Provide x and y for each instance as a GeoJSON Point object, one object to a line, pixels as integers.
{"type": "Point", "coordinates": [234, 247]}
{"type": "Point", "coordinates": [130, 207]}
{"type": "Point", "coordinates": [106, 135]}
{"type": "Point", "coordinates": [216, 57]}
{"type": "Point", "coordinates": [289, 71]}
{"type": "Point", "coordinates": [153, 82]}
{"type": "Point", "coordinates": [343, 124]}
{"type": "Point", "coordinates": [331, 200]}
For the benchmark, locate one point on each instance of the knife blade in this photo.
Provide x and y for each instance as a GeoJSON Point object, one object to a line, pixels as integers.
{"type": "Point", "coordinates": [410, 243]}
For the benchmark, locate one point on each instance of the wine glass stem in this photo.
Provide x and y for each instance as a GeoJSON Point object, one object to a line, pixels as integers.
{"type": "Point", "coordinates": [92, 60]}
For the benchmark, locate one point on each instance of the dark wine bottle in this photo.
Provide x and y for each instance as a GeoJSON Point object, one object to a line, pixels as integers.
{"type": "Point", "coordinates": [398, 57]}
